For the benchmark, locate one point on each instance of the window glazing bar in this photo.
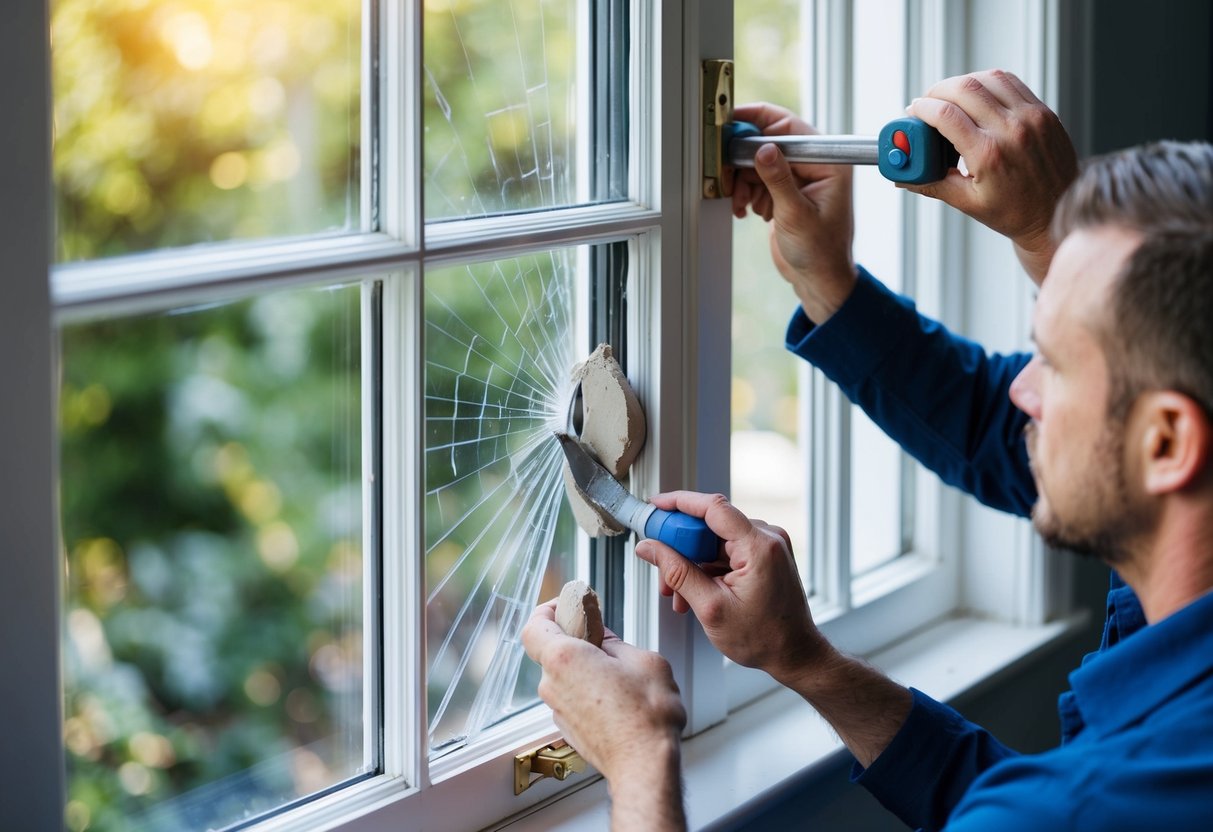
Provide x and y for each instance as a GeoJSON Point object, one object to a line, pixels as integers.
{"type": "Point", "coordinates": [128, 283]}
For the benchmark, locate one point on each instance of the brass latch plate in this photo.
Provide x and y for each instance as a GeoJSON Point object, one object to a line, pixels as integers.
{"type": "Point", "coordinates": [717, 106]}
{"type": "Point", "coordinates": [556, 759]}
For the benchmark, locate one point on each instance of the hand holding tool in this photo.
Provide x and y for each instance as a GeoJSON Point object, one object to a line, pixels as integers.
{"type": "Point", "coordinates": [907, 149]}
{"type": "Point", "coordinates": [687, 535]}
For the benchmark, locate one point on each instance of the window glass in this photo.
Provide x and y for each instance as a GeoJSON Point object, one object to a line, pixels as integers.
{"type": "Point", "coordinates": [501, 341]}
{"type": "Point", "coordinates": [212, 502]}
{"type": "Point", "coordinates": [769, 459]}
{"type": "Point", "coordinates": [189, 121]}
{"type": "Point", "coordinates": [506, 85]}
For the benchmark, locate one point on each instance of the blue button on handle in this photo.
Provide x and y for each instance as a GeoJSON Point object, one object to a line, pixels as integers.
{"type": "Point", "coordinates": [926, 156]}
{"type": "Point", "coordinates": [688, 536]}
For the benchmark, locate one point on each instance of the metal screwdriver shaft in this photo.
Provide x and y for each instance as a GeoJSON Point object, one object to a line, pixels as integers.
{"type": "Point", "coordinates": [837, 150]}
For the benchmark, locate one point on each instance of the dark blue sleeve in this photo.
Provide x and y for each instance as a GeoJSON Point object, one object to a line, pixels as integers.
{"type": "Point", "coordinates": [930, 764]}
{"type": "Point", "coordinates": [938, 395]}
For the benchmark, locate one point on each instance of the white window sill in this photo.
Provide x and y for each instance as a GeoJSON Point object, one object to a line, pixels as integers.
{"type": "Point", "coordinates": [734, 768]}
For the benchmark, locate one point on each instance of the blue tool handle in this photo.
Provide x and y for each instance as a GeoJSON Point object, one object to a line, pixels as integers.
{"type": "Point", "coordinates": [910, 150]}
{"type": "Point", "coordinates": [688, 536]}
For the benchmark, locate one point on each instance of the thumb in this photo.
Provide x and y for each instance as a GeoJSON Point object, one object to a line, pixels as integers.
{"type": "Point", "coordinates": [777, 175]}
{"type": "Point", "coordinates": [678, 573]}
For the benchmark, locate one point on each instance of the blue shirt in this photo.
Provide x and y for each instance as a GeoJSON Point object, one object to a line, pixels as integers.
{"type": "Point", "coordinates": [1146, 705]}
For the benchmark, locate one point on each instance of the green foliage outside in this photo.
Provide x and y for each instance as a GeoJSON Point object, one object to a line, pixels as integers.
{"type": "Point", "coordinates": [211, 475]}
{"type": "Point", "coordinates": [189, 121]}
{"type": "Point", "coordinates": [211, 457]}
{"type": "Point", "coordinates": [500, 102]}
{"type": "Point", "coordinates": [211, 497]}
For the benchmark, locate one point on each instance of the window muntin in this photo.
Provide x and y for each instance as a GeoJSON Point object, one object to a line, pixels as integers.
{"type": "Point", "coordinates": [198, 121]}
{"type": "Point", "coordinates": [212, 490]}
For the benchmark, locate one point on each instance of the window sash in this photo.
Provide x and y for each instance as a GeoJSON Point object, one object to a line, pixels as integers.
{"type": "Point", "coordinates": [396, 248]}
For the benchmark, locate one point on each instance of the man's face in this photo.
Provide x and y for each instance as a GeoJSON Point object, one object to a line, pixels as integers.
{"type": "Point", "coordinates": [1085, 500]}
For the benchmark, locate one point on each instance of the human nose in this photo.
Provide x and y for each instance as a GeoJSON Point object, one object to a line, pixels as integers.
{"type": "Point", "coordinates": [1025, 389]}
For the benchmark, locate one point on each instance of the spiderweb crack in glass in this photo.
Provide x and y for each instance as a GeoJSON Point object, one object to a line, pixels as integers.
{"type": "Point", "coordinates": [500, 106]}
{"type": "Point", "coordinates": [499, 346]}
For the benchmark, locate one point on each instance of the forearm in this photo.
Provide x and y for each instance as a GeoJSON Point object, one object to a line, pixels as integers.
{"type": "Point", "coordinates": [865, 707]}
{"type": "Point", "coordinates": [649, 794]}
{"type": "Point", "coordinates": [939, 396]}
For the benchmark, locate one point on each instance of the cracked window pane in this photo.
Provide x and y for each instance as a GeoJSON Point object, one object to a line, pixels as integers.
{"type": "Point", "coordinates": [502, 92]}
{"type": "Point", "coordinates": [500, 345]}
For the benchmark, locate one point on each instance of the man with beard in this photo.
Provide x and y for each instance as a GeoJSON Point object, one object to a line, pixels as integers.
{"type": "Point", "coordinates": [1117, 406]}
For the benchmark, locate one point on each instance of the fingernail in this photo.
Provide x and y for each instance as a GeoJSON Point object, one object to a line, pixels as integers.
{"type": "Point", "coordinates": [766, 154]}
{"type": "Point", "coordinates": [644, 550]}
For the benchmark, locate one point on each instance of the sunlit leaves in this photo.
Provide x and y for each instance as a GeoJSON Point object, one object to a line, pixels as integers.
{"type": "Point", "coordinates": [184, 121]}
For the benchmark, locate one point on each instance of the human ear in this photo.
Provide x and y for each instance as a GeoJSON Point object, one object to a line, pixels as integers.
{"type": "Point", "coordinates": [1175, 441]}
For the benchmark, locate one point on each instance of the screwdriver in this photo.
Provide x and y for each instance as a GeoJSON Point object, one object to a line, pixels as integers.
{"type": "Point", "coordinates": [907, 150]}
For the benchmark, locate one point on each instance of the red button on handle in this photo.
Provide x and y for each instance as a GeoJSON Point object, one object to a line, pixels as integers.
{"type": "Point", "coordinates": [901, 142]}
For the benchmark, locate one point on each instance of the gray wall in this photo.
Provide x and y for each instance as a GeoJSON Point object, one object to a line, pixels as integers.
{"type": "Point", "coordinates": [31, 762]}
{"type": "Point", "coordinates": [1152, 71]}
{"type": "Point", "coordinates": [1141, 71]}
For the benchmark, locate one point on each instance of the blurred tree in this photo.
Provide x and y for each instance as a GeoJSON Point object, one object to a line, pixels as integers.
{"type": "Point", "coordinates": [187, 121]}
{"type": "Point", "coordinates": [211, 473]}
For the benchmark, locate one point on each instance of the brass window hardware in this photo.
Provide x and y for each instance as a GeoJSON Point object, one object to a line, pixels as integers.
{"type": "Point", "coordinates": [717, 101]}
{"type": "Point", "coordinates": [556, 759]}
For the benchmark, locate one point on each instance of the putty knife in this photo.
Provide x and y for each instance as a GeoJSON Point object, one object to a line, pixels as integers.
{"type": "Point", "coordinates": [688, 536]}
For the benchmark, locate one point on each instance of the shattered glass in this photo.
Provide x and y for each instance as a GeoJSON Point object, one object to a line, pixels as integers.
{"type": "Point", "coordinates": [500, 343]}
{"type": "Point", "coordinates": [501, 99]}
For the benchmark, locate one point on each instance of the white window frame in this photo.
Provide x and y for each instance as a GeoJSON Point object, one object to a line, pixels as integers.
{"type": "Point", "coordinates": [680, 288]}
{"type": "Point", "coordinates": [411, 792]}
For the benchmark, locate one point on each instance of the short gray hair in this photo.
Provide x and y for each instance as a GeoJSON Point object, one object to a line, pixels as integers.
{"type": "Point", "coordinates": [1159, 331]}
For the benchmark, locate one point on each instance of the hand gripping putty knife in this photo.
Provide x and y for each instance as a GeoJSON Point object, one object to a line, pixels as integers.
{"type": "Point", "coordinates": [688, 536]}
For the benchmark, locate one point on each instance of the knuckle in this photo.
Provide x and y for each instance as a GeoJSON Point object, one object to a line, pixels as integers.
{"type": "Point", "coordinates": [1037, 118]}
{"type": "Point", "coordinates": [545, 691]}
{"type": "Point", "coordinates": [1019, 134]}
{"type": "Point", "coordinates": [675, 713]}
{"type": "Point", "coordinates": [560, 656]}
{"type": "Point", "coordinates": [711, 612]}
{"type": "Point", "coordinates": [971, 83]}
{"type": "Point", "coordinates": [675, 572]}
{"type": "Point", "coordinates": [656, 665]}
{"type": "Point", "coordinates": [949, 112]}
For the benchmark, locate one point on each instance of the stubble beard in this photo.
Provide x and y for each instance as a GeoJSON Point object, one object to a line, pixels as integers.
{"type": "Point", "coordinates": [1105, 530]}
